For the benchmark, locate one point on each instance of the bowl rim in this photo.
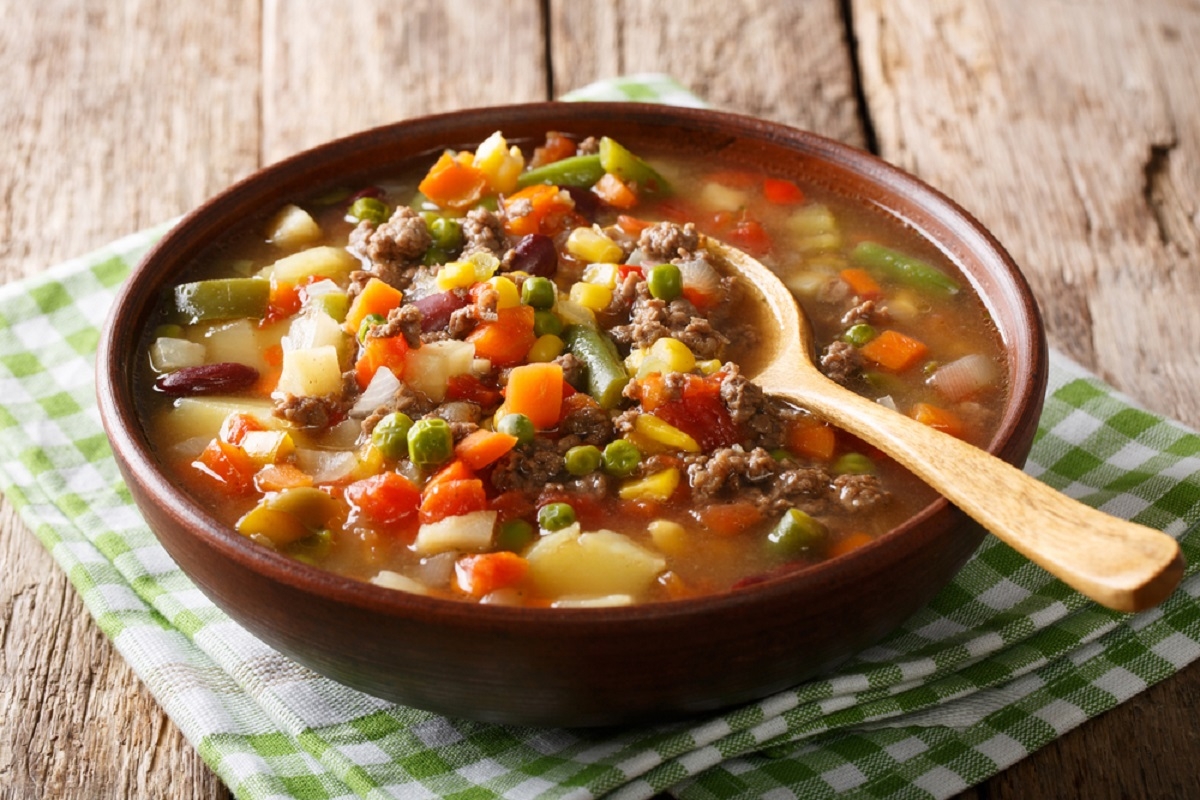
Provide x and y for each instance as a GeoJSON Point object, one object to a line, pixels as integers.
{"type": "Point", "coordinates": [192, 232]}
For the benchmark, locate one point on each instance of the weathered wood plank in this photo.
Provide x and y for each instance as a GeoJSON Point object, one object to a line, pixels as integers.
{"type": "Point", "coordinates": [782, 61]}
{"type": "Point", "coordinates": [1076, 141]}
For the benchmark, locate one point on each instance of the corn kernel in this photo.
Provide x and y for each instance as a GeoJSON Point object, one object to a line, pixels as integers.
{"type": "Point", "coordinates": [675, 354]}
{"type": "Point", "coordinates": [593, 246]}
{"type": "Point", "coordinates": [267, 447]}
{"type": "Point", "coordinates": [370, 462]}
{"type": "Point", "coordinates": [456, 275]}
{"type": "Point", "coordinates": [669, 537]}
{"type": "Point", "coordinates": [634, 360]}
{"type": "Point", "coordinates": [499, 163]}
{"type": "Point", "coordinates": [547, 348]}
{"type": "Point", "coordinates": [510, 295]}
{"type": "Point", "coordinates": [485, 265]}
{"type": "Point", "coordinates": [601, 274]}
{"type": "Point", "coordinates": [663, 433]}
{"type": "Point", "coordinates": [591, 296]}
{"type": "Point", "coordinates": [710, 366]}
{"type": "Point", "coordinates": [659, 486]}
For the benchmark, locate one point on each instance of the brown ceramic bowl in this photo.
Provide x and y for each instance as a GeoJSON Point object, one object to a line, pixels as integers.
{"type": "Point", "coordinates": [572, 666]}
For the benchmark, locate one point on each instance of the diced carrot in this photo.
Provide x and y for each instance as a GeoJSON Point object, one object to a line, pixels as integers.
{"type": "Point", "coordinates": [380, 351]}
{"type": "Point", "coordinates": [273, 355]}
{"type": "Point", "coordinates": [452, 498]}
{"type": "Point", "coordinates": [556, 148]}
{"type": "Point", "coordinates": [894, 351]}
{"type": "Point", "coordinates": [614, 192]}
{"type": "Point", "coordinates": [454, 181]}
{"type": "Point", "coordinates": [456, 470]}
{"type": "Point", "coordinates": [237, 425]}
{"type": "Point", "coordinates": [535, 390]}
{"type": "Point", "coordinates": [376, 297]}
{"type": "Point", "coordinates": [228, 466]}
{"type": "Point", "coordinates": [632, 225]}
{"type": "Point", "coordinates": [729, 519]}
{"type": "Point", "coordinates": [811, 438]}
{"type": "Point", "coordinates": [482, 447]}
{"type": "Point", "coordinates": [277, 477]}
{"type": "Point", "coordinates": [506, 341]}
{"type": "Point", "coordinates": [861, 282]}
{"type": "Point", "coordinates": [849, 542]}
{"type": "Point", "coordinates": [387, 497]}
{"type": "Point", "coordinates": [482, 574]}
{"type": "Point", "coordinates": [939, 418]}
{"type": "Point", "coordinates": [548, 207]}
{"type": "Point", "coordinates": [782, 192]}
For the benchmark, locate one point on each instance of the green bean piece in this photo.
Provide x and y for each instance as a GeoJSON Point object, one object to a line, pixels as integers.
{"type": "Point", "coordinates": [606, 375]}
{"type": "Point", "coordinates": [620, 458]}
{"type": "Point", "coordinates": [665, 282]}
{"type": "Point", "coordinates": [546, 322]}
{"type": "Point", "coordinates": [578, 171]}
{"type": "Point", "coordinates": [446, 233]}
{"type": "Point", "coordinates": [369, 321]}
{"type": "Point", "coordinates": [430, 442]}
{"type": "Point", "coordinates": [335, 304]}
{"type": "Point", "coordinates": [796, 533]}
{"type": "Point", "coordinates": [853, 464]}
{"type": "Point", "coordinates": [222, 298]}
{"type": "Point", "coordinates": [904, 268]}
{"type": "Point", "coordinates": [539, 292]}
{"type": "Point", "coordinates": [779, 454]}
{"type": "Point", "coordinates": [582, 459]}
{"type": "Point", "coordinates": [556, 516]}
{"type": "Point", "coordinates": [390, 435]}
{"type": "Point", "coordinates": [517, 425]}
{"type": "Point", "coordinates": [618, 160]}
{"type": "Point", "coordinates": [371, 209]}
{"type": "Point", "coordinates": [514, 535]}
{"type": "Point", "coordinates": [859, 334]}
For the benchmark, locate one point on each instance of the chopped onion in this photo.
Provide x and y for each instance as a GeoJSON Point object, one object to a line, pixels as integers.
{"type": "Point", "coordinates": [888, 402]}
{"type": "Point", "coordinates": [401, 583]}
{"type": "Point", "coordinates": [434, 570]}
{"type": "Point", "coordinates": [700, 275]}
{"type": "Point", "coordinates": [326, 466]}
{"type": "Point", "coordinates": [168, 354]}
{"type": "Point", "coordinates": [965, 377]}
{"type": "Point", "coordinates": [380, 390]}
{"type": "Point", "coordinates": [321, 288]}
{"type": "Point", "coordinates": [637, 257]}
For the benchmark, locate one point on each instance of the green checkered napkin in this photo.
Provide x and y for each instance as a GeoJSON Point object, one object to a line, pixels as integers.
{"type": "Point", "coordinates": [1003, 661]}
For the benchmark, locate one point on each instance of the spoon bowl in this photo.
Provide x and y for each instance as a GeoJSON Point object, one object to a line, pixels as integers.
{"type": "Point", "coordinates": [1119, 564]}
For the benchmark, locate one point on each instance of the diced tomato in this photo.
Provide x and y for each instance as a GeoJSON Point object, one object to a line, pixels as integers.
{"type": "Point", "coordinates": [632, 225]}
{"type": "Point", "coordinates": [750, 236]}
{"type": "Point", "coordinates": [698, 410]}
{"type": "Point", "coordinates": [228, 466]}
{"type": "Point", "coordinates": [452, 498]}
{"type": "Point", "coordinates": [283, 301]}
{"type": "Point", "coordinates": [469, 388]}
{"type": "Point", "coordinates": [729, 519]}
{"type": "Point", "coordinates": [625, 270]}
{"type": "Point", "coordinates": [615, 192]}
{"type": "Point", "coordinates": [237, 425]}
{"type": "Point", "coordinates": [782, 192]}
{"type": "Point", "coordinates": [273, 355]}
{"type": "Point", "coordinates": [380, 351]}
{"type": "Point", "coordinates": [482, 574]}
{"type": "Point", "coordinates": [556, 148]}
{"type": "Point", "coordinates": [386, 498]}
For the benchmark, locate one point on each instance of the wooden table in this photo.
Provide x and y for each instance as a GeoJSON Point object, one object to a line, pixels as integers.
{"type": "Point", "coordinates": [1069, 128]}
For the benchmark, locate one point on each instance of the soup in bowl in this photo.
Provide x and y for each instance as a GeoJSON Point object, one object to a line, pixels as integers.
{"type": "Point", "coordinates": [460, 411]}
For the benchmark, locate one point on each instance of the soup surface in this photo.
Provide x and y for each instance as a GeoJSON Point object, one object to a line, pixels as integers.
{"type": "Point", "coordinates": [517, 377]}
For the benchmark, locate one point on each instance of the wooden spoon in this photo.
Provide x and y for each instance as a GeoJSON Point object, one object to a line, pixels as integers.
{"type": "Point", "coordinates": [1120, 564]}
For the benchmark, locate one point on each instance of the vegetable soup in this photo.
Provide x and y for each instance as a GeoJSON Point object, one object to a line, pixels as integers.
{"type": "Point", "coordinates": [517, 377]}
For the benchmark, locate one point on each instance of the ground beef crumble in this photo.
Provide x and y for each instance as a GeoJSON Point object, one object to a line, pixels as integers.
{"type": "Point", "coordinates": [664, 241]}
{"type": "Point", "coordinates": [483, 233]}
{"type": "Point", "coordinates": [841, 362]}
{"type": "Point", "coordinates": [310, 412]}
{"type": "Point", "coordinates": [393, 249]}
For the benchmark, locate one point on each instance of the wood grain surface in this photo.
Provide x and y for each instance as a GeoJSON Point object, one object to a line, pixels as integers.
{"type": "Point", "coordinates": [1069, 128]}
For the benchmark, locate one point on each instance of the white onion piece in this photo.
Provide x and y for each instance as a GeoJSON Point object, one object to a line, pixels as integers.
{"type": "Point", "coordinates": [168, 354]}
{"type": "Point", "coordinates": [378, 392]}
{"type": "Point", "coordinates": [326, 466]}
{"type": "Point", "coordinates": [322, 287]}
{"type": "Point", "coordinates": [700, 275]}
{"type": "Point", "coordinates": [888, 402]}
{"type": "Point", "coordinates": [964, 377]}
{"type": "Point", "coordinates": [637, 257]}
{"type": "Point", "coordinates": [434, 570]}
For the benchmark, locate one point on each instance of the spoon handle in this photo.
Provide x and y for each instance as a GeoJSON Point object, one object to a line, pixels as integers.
{"type": "Point", "coordinates": [1120, 564]}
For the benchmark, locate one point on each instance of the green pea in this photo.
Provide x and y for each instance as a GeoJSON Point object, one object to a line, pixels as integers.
{"type": "Point", "coordinates": [620, 458]}
{"type": "Point", "coordinates": [582, 459]}
{"type": "Point", "coordinates": [546, 322]}
{"type": "Point", "coordinates": [517, 425]}
{"type": "Point", "coordinates": [390, 435]}
{"type": "Point", "coordinates": [514, 535]}
{"type": "Point", "coordinates": [853, 464]}
{"type": "Point", "coordinates": [369, 321]}
{"type": "Point", "coordinates": [435, 256]}
{"type": "Point", "coordinates": [859, 334]}
{"type": "Point", "coordinates": [446, 233]}
{"type": "Point", "coordinates": [539, 292]}
{"type": "Point", "coordinates": [556, 516]}
{"type": "Point", "coordinates": [430, 442]}
{"type": "Point", "coordinates": [665, 282]}
{"type": "Point", "coordinates": [779, 454]}
{"type": "Point", "coordinates": [370, 208]}
{"type": "Point", "coordinates": [796, 533]}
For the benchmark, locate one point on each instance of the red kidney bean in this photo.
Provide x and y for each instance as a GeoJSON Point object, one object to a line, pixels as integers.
{"type": "Point", "coordinates": [227, 376]}
{"type": "Point", "coordinates": [367, 191]}
{"type": "Point", "coordinates": [586, 203]}
{"type": "Point", "coordinates": [536, 255]}
{"type": "Point", "coordinates": [436, 309]}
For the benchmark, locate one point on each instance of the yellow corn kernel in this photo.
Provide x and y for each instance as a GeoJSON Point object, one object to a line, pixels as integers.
{"type": "Point", "coordinates": [267, 447]}
{"type": "Point", "coordinates": [485, 265]}
{"type": "Point", "coordinates": [633, 361]}
{"type": "Point", "coordinates": [593, 246]}
{"type": "Point", "coordinates": [675, 355]}
{"type": "Point", "coordinates": [654, 429]}
{"type": "Point", "coordinates": [499, 163]}
{"type": "Point", "coordinates": [601, 274]}
{"type": "Point", "coordinates": [591, 296]}
{"type": "Point", "coordinates": [669, 537]}
{"type": "Point", "coordinates": [547, 348]}
{"type": "Point", "coordinates": [370, 462]}
{"type": "Point", "coordinates": [710, 366]}
{"type": "Point", "coordinates": [510, 296]}
{"type": "Point", "coordinates": [659, 486]}
{"type": "Point", "coordinates": [456, 275]}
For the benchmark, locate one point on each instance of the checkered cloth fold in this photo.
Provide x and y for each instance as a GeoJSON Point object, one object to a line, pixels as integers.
{"type": "Point", "coordinates": [1001, 662]}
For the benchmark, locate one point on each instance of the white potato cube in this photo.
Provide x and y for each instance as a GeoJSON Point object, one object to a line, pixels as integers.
{"type": "Point", "coordinates": [334, 263]}
{"type": "Point", "coordinates": [168, 354]}
{"type": "Point", "coordinates": [292, 227]}
{"type": "Point", "coordinates": [430, 367]}
{"type": "Point", "coordinates": [314, 372]}
{"type": "Point", "coordinates": [571, 564]}
{"type": "Point", "coordinates": [401, 583]}
{"type": "Point", "coordinates": [470, 533]}
{"type": "Point", "coordinates": [201, 417]}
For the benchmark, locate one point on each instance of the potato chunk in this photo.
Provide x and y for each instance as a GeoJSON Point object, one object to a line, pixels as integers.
{"type": "Point", "coordinates": [601, 563]}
